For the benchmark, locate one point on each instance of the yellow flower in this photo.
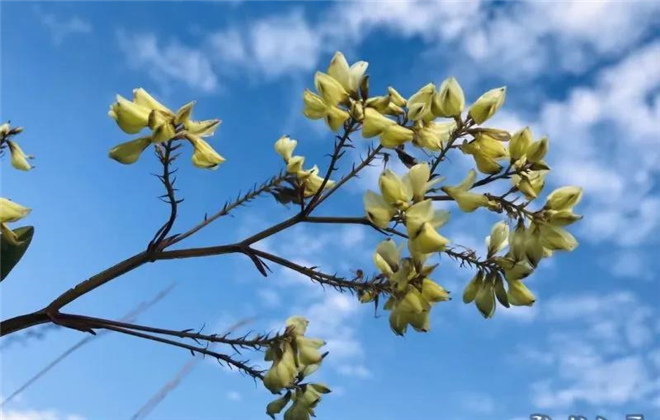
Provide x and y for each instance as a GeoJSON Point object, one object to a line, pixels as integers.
{"type": "Point", "coordinates": [315, 108]}
{"type": "Point", "coordinates": [11, 212]}
{"type": "Point", "coordinates": [519, 143]}
{"type": "Point", "coordinates": [204, 128]}
{"type": "Point", "coordinates": [332, 92]}
{"type": "Point", "coordinates": [394, 190]}
{"type": "Point", "coordinates": [420, 104]}
{"type": "Point", "coordinates": [537, 150]}
{"type": "Point", "coordinates": [396, 135]}
{"type": "Point", "coordinates": [485, 299]}
{"type": "Point", "coordinates": [295, 164]}
{"type": "Point", "coordinates": [204, 156]}
{"type": "Point", "coordinates": [379, 212]}
{"type": "Point", "coordinates": [284, 146]}
{"type": "Point", "coordinates": [449, 101]}
{"type": "Point", "coordinates": [387, 256]}
{"type": "Point", "coordinates": [142, 98]}
{"type": "Point", "coordinates": [162, 126]}
{"type": "Point", "coordinates": [467, 201]}
{"type": "Point", "coordinates": [434, 135]}
{"type": "Point", "coordinates": [395, 97]}
{"type": "Point", "coordinates": [433, 292]}
{"type": "Point", "coordinates": [130, 117]}
{"type": "Point", "coordinates": [19, 159]}
{"type": "Point", "coordinates": [183, 114]}
{"type": "Point", "coordinates": [312, 181]}
{"type": "Point", "coordinates": [519, 294]}
{"type": "Point", "coordinates": [336, 117]}
{"type": "Point", "coordinates": [531, 184]}
{"type": "Point", "coordinates": [498, 238]}
{"type": "Point", "coordinates": [374, 123]}
{"type": "Point", "coordinates": [348, 77]}
{"type": "Point", "coordinates": [564, 198]}
{"type": "Point", "coordinates": [130, 151]}
{"type": "Point", "coordinates": [487, 105]}
{"type": "Point", "coordinates": [418, 177]}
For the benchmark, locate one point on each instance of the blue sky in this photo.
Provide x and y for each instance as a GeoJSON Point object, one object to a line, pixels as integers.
{"type": "Point", "coordinates": [586, 74]}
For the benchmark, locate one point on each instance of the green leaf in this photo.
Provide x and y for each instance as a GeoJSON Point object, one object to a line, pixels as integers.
{"type": "Point", "coordinates": [11, 254]}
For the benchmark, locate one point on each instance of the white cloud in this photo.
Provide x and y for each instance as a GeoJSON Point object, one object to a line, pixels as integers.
{"type": "Point", "coordinates": [168, 62]}
{"type": "Point", "coordinates": [60, 27]}
{"type": "Point", "coordinates": [37, 415]}
{"type": "Point", "coordinates": [274, 46]}
{"type": "Point", "coordinates": [606, 139]}
{"type": "Point", "coordinates": [601, 352]}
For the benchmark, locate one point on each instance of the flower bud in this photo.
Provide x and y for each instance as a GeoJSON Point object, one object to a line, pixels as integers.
{"type": "Point", "coordinates": [130, 151]}
{"type": "Point", "coordinates": [419, 105]}
{"type": "Point", "coordinates": [555, 238]}
{"type": "Point", "coordinates": [130, 117]}
{"type": "Point", "coordinates": [473, 287]}
{"type": "Point", "coordinates": [428, 240]}
{"type": "Point", "coordinates": [183, 114]}
{"type": "Point", "coordinates": [379, 212]}
{"type": "Point", "coordinates": [537, 150]}
{"type": "Point", "coordinates": [162, 126]}
{"type": "Point", "coordinates": [519, 294]}
{"type": "Point", "coordinates": [204, 128]}
{"type": "Point", "coordinates": [4, 129]}
{"type": "Point", "coordinates": [336, 117]}
{"type": "Point", "coordinates": [519, 143]}
{"type": "Point", "coordinates": [142, 98]}
{"type": "Point", "coordinates": [274, 407]}
{"type": "Point", "coordinates": [561, 217]}
{"type": "Point", "coordinates": [19, 159]}
{"type": "Point", "coordinates": [395, 135]}
{"type": "Point", "coordinates": [434, 136]}
{"type": "Point", "coordinates": [285, 146]}
{"type": "Point", "coordinates": [449, 101]}
{"type": "Point", "coordinates": [433, 292]}
{"type": "Point", "coordinates": [469, 202]}
{"type": "Point", "coordinates": [498, 239]}
{"type": "Point", "coordinates": [348, 77]}
{"type": "Point", "coordinates": [332, 92]}
{"type": "Point", "coordinates": [314, 108]}
{"type": "Point", "coordinates": [387, 256]}
{"type": "Point", "coordinates": [395, 97]}
{"type": "Point", "coordinates": [487, 105]}
{"type": "Point", "coordinates": [419, 179]}
{"type": "Point", "coordinates": [295, 164]}
{"type": "Point", "coordinates": [297, 324]}
{"type": "Point", "coordinates": [374, 123]}
{"type": "Point", "coordinates": [11, 211]}
{"type": "Point", "coordinates": [564, 198]}
{"type": "Point", "coordinates": [204, 156]}
{"type": "Point", "coordinates": [394, 190]}
{"type": "Point", "coordinates": [485, 300]}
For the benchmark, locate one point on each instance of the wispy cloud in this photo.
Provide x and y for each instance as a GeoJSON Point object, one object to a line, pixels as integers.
{"type": "Point", "coordinates": [61, 27]}
{"type": "Point", "coordinates": [601, 353]}
{"type": "Point", "coordinates": [168, 61]}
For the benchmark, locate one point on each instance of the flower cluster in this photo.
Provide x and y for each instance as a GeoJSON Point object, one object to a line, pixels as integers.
{"type": "Point", "coordinates": [294, 359]}
{"type": "Point", "coordinates": [413, 292]}
{"type": "Point", "coordinates": [402, 199]}
{"type": "Point", "coordinates": [337, 92]}
{"type": "Point", "coordinates": [11, 211]}
{"type": "Point", "coordinates": [435, 119]}
{"type": "Point", "coordinates": [19, 159]}
{"type": "Point", "coordinates": [165, 125]}
{"type": "Point", "coordinates": [308, 179]}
